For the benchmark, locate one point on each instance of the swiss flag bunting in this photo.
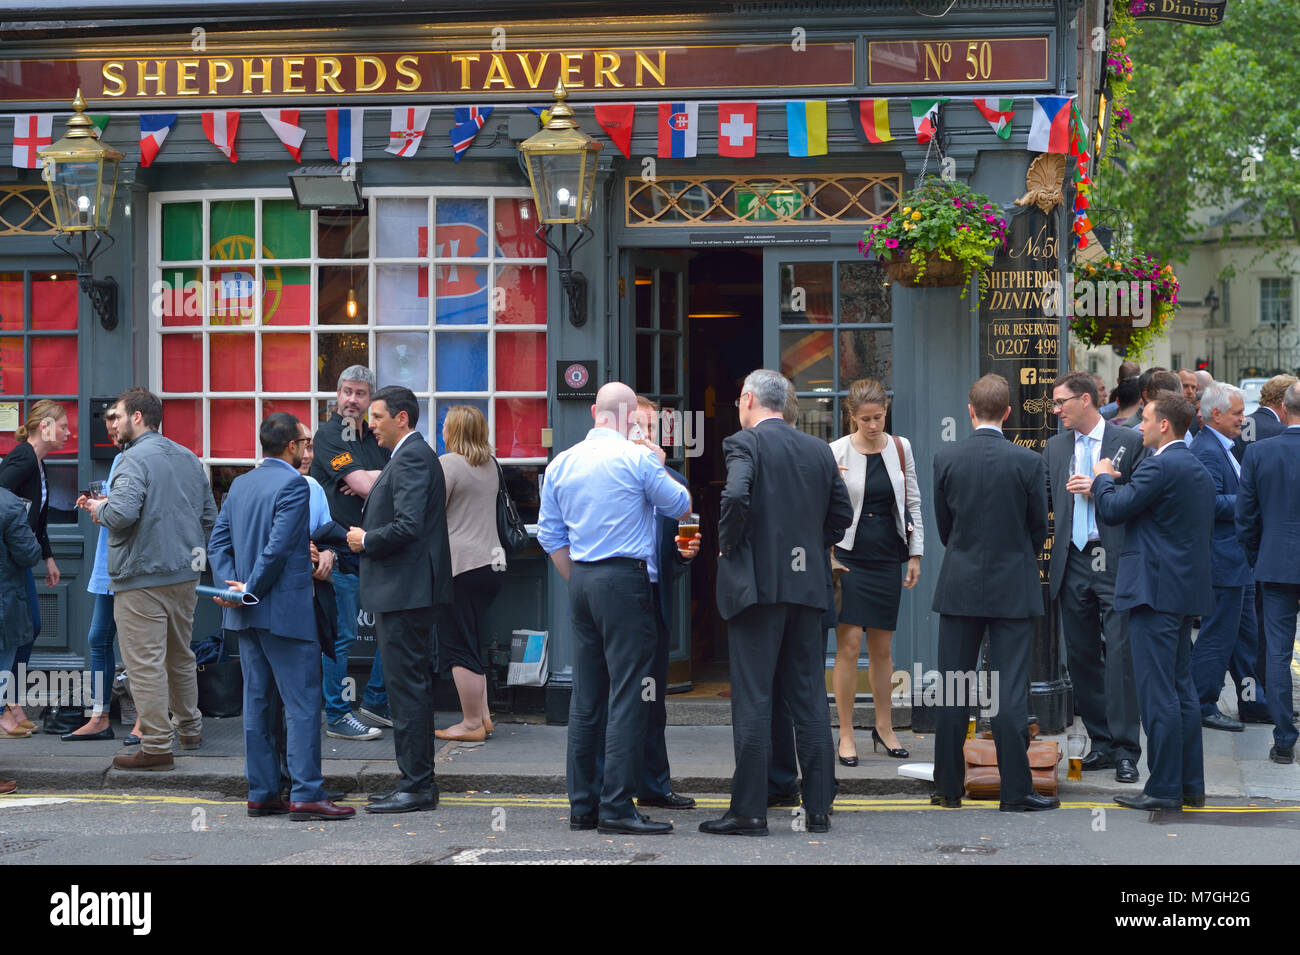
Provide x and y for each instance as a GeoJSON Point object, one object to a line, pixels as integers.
{"type": "Point", "coordinates": [737, 130]}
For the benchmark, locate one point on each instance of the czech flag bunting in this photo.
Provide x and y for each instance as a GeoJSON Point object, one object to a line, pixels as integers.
{"type": "Point", "coordinates": [284, 123]}
{"type": "Point", "coordinates": [1050, 131]}
{"type": "Point", "coordinates": [737, 130]}
{"type": "Point", "coordinates": [805, 122]}
{"type": "Point", "coordinates": [221, 127]}
{"type": "Point", "coordinates": [679, 128]}
{"type": "Point", "coordinates": [154, 128]}
{"type": "Point", "coordinates": [469, 120]}
{"type": "Point", "coordinates": [32, 132]}
{"type": "Point", "coordinates": [616, 120]}
{"type": "Point", "coordinates": [871, 120]}
{"type": "Point", "coordinates": [406, 130]}
{"type": "Point", "coordinates": [343, 132]}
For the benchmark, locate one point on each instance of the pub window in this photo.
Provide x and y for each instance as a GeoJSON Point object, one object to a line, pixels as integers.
{"type": "Point", "coordinates": [1275, 302]}
{"type": "Point", "coordinates": [443, 291]}
{"type": "Point", "coordinates": [38, 359]}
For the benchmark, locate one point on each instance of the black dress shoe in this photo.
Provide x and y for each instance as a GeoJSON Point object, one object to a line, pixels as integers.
{"type": "Point", "coordinates": [784, 800]}
{"type": "Point", "coordinates": [1031, 803]}
{"type": "Point", "coordinates": [1096, 760]}
{"type": "Point", "coordinates": [819, 822]}
{"type": "Point", "coordinates": [669, 800]}
{"type": "Point", "coordinates": [1217, 721]}
{"type": "Point", "coordinates": [405, 802]}
{"type": "Point", "coordinates": [1278, 755]}
{"type": "Point", "coordinates": [733, 825]}
{"type": "Point", "coordinates": [1194, 800]}
{"type": "Point", "coordinates": [1149, 803]}
{"type": "Point", "coordinates": [1126, 770]}
{"type": "Point", "coordinates": [582, 823]}
{"type": "Point", "coordinates": [947, 802]}
{"type": "Point", "coordinates": [376, 797]}
{"type": "Point", "coordinates": [105, 733]}
{"type": "Point", "coordinates": [635, 825]}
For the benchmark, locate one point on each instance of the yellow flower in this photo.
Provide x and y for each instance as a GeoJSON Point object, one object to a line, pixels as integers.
{"type": "Point", "coordinates": [908, 225]}
{"type": "Point", "coordinates": [906, 209]}
{"type": "Point", "coordinates": [916, 215]}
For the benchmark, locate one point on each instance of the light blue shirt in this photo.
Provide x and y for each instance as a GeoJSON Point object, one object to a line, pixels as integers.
{"type": "Point", "coordinates": [599, 499]}
{"type": "Point", "coordinates": [99, 583]}
{"type": "Point", "coordinates": [1083, 465]}
{"type": "Point", "coordinates": [1226, 443]}
{"type": "Point", "coordinates": [318, 504]}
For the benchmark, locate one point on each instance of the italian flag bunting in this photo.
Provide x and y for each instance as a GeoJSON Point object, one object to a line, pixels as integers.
{"type": "Point", "coordinates": [925, 115]}
{"type": "Point", "coordinates": [998, 112]}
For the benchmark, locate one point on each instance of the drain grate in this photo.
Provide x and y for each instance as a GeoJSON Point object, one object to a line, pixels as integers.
{"type": "Point", "coordinates": [966, 850]}
{"type": "Point", "coordinates": [19, 845]}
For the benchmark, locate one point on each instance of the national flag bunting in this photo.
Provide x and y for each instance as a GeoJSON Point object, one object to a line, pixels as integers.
{"type": "Point", "coordinates": [101, 122]}
{"type": "Point", "coordinates": [998, 112]}
{"type": "Point", "coordinates": [871, 120]}
{"type": "Point", "coordinates": [737, 130]}
{"type": "Point", "coordinates": [343, 129]}
{"type": "Point", "coordinates": [805, 122]}
{"type": "Point", "coordinates": [221, 127]}
{"type": "Point", "coordinates": [32, 133]}
{"type": "Point", "coordinates": [1050, 130]}
{"type": "Point", "coordinates": [679, 129]}
{"type": "Point", "coordinates": [543, 113]}
{"type": "Point", "coordinates": [925, 117]}
{"type": "Point", "coordinates": [406, 130]}
{"type": "Point", "coordinates": [154, 128]}
{"type": "Point", "coordinates": [284, 123]}
{"type": "Point", "coordinates": [469, 120]}
{"type": "Point", "coordinates": [616, 120]}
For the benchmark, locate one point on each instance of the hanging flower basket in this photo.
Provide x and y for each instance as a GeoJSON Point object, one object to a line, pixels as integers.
{"type": "Point", "coordinates": [937, 272]}
{"type": "Point", "coordinates": [1127, 303]}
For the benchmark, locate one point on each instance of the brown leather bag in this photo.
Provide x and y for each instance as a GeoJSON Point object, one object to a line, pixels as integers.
{"type": "Point", "coordinates": [983, 781]}
{"type": "Point", "coordinates": [838, 570]}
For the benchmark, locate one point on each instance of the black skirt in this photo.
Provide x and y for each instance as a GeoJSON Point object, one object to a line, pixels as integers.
{"type": "Point", "coordinates": [874, 584]}
{"type": "Point", "coordinates": [461, 624]}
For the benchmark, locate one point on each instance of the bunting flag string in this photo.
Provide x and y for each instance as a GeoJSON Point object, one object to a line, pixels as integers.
{"type": "Point", "coordinates": [998, 112]}
{"type": "Point", "coordinates": [221, 127]}
{"type": "Point", "coordinates": [871, 121]}
{"type": "Point", "coordinates": [925, 114]}
{"type": "Point", "coordinates": [1050, 130]}
{"type": "Point", "coordinates": [154, 128]}
{"type": "Point", "coordinates": [406, 130]}
{"type": "Point", "coordinates": [616, 120]}
{"type": "Point", "coordinates": [469, 120]}
{"type": "Point", "coordinates": [679, 129]}
{"type": "Point", "coordinates": [738, 130]}
{"type": "Point", "coordinates": [284, 123]}
{"type": "Point", "coordinates": [32, 132]}
{"type": "Point", "coordinates": [343, 128]}
{"type": "Point", "coordinates": [805, 123]}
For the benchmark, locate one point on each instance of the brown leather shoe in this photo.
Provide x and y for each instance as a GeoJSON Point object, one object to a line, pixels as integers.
{"type": "Point", "coordinates": [323, 810]}
{"type": "Point", "coordinates": [144, 762]}
{"type": "Point", "coordinates": [190, 742]}
{"type": "Point", "coordinates": [273, 807]}
{"type": "Point", "coordinates": [8, 786]}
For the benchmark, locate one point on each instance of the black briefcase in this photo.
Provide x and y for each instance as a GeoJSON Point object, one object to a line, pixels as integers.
{"type": "Point", "coordinates": [221, 689]}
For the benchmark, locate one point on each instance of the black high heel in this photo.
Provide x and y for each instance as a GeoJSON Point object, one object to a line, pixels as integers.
{"type": "Point", "coordinates": [899, 753]}
{"type": "Point", "coordinates": [845, 760]}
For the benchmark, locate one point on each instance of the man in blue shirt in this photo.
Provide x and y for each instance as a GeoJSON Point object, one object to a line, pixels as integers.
{"type": "Point", "coordinates": [597, 522]}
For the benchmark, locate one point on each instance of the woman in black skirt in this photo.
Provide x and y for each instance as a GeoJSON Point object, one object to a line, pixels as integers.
{"type": "Point", "coordinates": [477, 565]}
{"type": "Point", "coordinates": [880, 473]}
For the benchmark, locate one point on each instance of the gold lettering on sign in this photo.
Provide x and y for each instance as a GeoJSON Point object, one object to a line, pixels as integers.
{"type": "Point", "coordinates": [112, 72]}
{"type": "Point", "coordinates": [660, 73]}
{"type": "Point", "coordinates": [607, 65]}
{"type": "Point", "coordinates": [464, 59]}
{"type": "Point", "coordinates": [534, 78]}
{"type": "Point", "coordinates": [570, 64]}
{"type": "Point", "coordinates": [215, 81]}
{"type": "Point", "coordinates": [293, 81]}
{"type": "Point", "coordinates": [142, 77]}
{"type": "Point", "coordinates": [497, 73]}
{"type": "Point", "coordinates": [186, 76]}
{"type": "Point", "coordinates": [328, 70]}
{"type": "Point", "coordinates": [250, 74]}
{"type": "Point", "coordinates": [381, 74]}
{"type": "Point", "coordinates": [406, 66]}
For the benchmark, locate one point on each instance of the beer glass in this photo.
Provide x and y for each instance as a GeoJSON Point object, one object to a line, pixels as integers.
{"type": "Point", "coordinates": [688, 528]}
{"type": "Point", "coordinates": [1075, 742]}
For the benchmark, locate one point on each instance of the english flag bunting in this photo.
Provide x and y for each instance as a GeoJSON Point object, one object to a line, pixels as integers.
{"type": "Point", "coordinates": [679, 128]}
{"type": "Point", "coordinates": [343, 133]}
{"type": "Point", "coordinates": [998, 112]}
{"type": "Point", "coordinates": [1050, 131]}
{"type": "Point", "coordinates": [154, 128]}
{"type": "Point", "coordinates": [32, 132]}
{"type": "Point", "coordinates": [925, 114]}
{"type": "Point", "coordinates": [871, 120]}
{"type": "Point", "coordinates": [737, 130]}
{"type": "Point", "coordinates": [469, 120]}
{"type": "Point", "coordinates": [406, 130]}
{"type": "Point", "coordinates": [221, 127]}
{"type": "Point", "coordinates": [284, 123]}
{"type": "Point", "coordinates": [616, 120]}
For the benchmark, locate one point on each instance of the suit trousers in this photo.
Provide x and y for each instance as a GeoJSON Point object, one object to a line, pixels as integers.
{"type": "Point", "coordinates": [406, 645]}
{"type": "Point", "coordinates": [1171, 713]}
{"type": "Point", "coordinates": [1009, 647]}
{"type": "Point", "coordinates": [276, 668]}
{"type": "Point", "coordinates": [153, 630]}
{"type": "Point", "coordinates": [1098, 654]}
{"type": "Point", "coordinates": [614, 638]}
{"type": "Point", "coordinates": [1228, 641]}
{"type": "Point", "coordinates": [1281, 603]}
{"type": "Point", "coordinates": [777, 652]}
{"type": "Point", "coordinates": [656, 778]}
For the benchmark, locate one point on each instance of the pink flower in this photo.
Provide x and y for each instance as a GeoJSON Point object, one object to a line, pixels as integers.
{"type": "Point", "coordinates": [891, 243]}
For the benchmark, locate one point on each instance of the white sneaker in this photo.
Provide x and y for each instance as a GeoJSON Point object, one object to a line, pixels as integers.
{"type": "Point", "coordinates": [351, 728]}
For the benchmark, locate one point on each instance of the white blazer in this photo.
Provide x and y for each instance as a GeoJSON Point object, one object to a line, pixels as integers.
{"type": "Point", "coordinates": [855, 478]}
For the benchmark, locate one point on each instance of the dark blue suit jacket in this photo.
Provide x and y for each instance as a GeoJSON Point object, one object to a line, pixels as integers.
{"type": "Point", "coordinates": [669, 560]}
{"type": "Point", "coordinates": [1268, 508]}
{"type": "Point", "coordinates": [261, 538]}
{"type": "Point", "coordinates": [1227, 559]}
{"type": "Point", "coordinates": [1167, 508]}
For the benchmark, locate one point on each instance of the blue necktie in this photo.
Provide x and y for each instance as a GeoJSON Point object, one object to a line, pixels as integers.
{"type": "Point", "coordinates": [1079, 520]}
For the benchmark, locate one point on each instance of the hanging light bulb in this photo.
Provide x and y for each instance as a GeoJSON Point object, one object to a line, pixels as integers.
{"type": "Point", "coordinates": [352, 304]}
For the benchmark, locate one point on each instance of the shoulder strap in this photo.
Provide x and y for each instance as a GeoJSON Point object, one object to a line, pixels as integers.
{"type": "Point", "coordinates": [902, 466]}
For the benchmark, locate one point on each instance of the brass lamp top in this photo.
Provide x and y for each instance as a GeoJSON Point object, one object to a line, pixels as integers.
{"type": "Point", "coordinates": [561, 134]}
{"type": "Point", "coordinates": [79, 143]}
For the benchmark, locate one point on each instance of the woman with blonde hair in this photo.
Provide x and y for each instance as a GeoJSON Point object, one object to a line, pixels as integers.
{"type": "Point", "coordinates": [477, 563]}
{"type": "Point", "coordinates": [23, 472]}
{"type": "Point", "coordinates": [880, 474]}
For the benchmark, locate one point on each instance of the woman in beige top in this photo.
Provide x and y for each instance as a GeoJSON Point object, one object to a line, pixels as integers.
{"type": "Point", "coordinates": [477, 564]}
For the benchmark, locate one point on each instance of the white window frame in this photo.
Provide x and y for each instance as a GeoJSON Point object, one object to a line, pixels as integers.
{"type": "Point", "coordinates": [317, 399]}
{"type": "Point", "coordinates": [1290, 299]}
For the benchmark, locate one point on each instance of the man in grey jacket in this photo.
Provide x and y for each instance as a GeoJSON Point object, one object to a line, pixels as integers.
{"type": "Point", "coordinates": [159, 514]}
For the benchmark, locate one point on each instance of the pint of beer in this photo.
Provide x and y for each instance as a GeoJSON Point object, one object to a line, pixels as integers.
{"type": "Point", "coordinates": [688, 528]}
{"type": "Point", "coordinates": [1074, 746]}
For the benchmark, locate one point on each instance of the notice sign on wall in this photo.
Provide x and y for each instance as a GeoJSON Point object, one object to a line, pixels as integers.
{"type": "Point", "coordinates": [8, 416]}
{"type": "Point", "coordinates": [575, 380]}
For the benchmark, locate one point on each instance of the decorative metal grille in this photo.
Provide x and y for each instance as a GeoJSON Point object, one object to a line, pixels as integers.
{"type": "Point", "coordinates": [23, 209]}
{"type": "Point", "coordinates": [772, 200]}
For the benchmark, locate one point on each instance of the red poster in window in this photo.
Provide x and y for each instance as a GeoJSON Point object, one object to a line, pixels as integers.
{"type": "Point", "coordinates": [234, 429]}
{"type": "Point", "coordinates": [232, 291]}
{"type": "Point", "coordinates": [11, 366]}
{"type": "Point", "coordinates": [286, 295]}
{"type": "Point", "coordinates": [299, 409]}
{"type": "Point", "coordinates": [54, 302]}
{"type": "Point", "coordinates": [182, 421]}
{"type": "Point", "coordinates": [182, 364]}
{"type": "Point", "coordinates": [519, 424]}
{"type": "Point", "coordinates": [230, 362]}
{"type": "Point", "coordinates": [525, 294]}
{"type": "Point", "coordinates": [286, 363]}
{"type": "Point", "coordinates": [176, 297]}
{"type": "Point", "coordinates": [54, 365]}
{"type": "Point", "coordinates": [521, 361]}
{"type": "Point", "coordinates": [11, 300]}
{"type": "Point", "coordinates": [516, 230]}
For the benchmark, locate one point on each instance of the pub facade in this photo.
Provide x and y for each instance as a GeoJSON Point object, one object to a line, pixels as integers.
{"type": "Point", "coordinates": [235, 301]}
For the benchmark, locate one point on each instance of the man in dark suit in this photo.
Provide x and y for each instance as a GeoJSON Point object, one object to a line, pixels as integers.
{"type": "Point", "coordinates": [1187, 378]}
{"type": "Point", "coordinates": [990, 502]}
{"type": "Point", "coordinates": [1229, 637]}
{"type": "Point", "coordinates": [1268, 515]}
{"type": "Point", "coordinates": [1085, 553]}
{"type": "Point", "coordinates": [1269, 419]}
{"type": "Point", "coordinates": [784, 497]}
{"type": "Point", "coordinates": [405, 575]}
{"type": "Point", "coordinates": [260, 546]}
{"type": "Point", "coordinates": [1163, 581]}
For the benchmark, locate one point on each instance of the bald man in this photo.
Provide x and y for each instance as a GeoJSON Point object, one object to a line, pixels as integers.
{"type": "Point", "coordinates": [598, 524]}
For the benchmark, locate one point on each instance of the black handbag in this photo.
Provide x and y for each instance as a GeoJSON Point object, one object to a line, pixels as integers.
{"type": "Point", "coordinates": [510, 526]}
